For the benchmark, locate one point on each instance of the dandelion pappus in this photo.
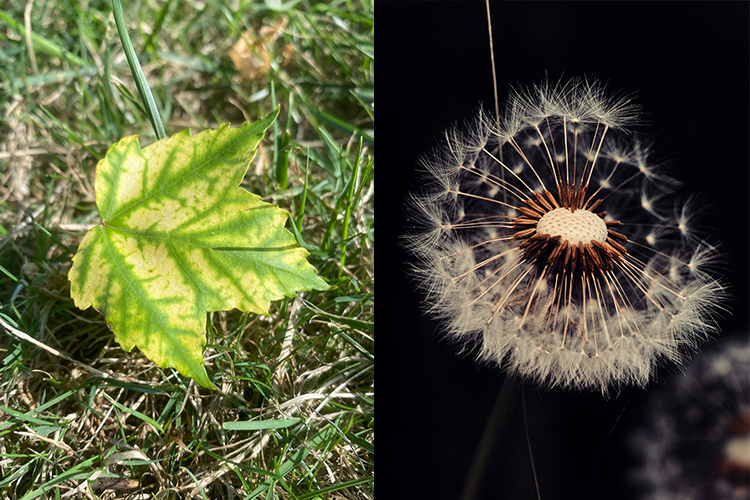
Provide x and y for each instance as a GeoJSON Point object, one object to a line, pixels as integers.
{"type": "Point", "coordinates": [546, 240]}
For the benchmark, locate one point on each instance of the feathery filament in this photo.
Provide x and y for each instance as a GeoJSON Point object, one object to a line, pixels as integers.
{"type": "Point", "coordinates": [544, 241]}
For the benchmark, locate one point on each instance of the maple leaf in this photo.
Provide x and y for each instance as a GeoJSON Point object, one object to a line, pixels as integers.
{"type": "Point", "coordinates": [180, 238]}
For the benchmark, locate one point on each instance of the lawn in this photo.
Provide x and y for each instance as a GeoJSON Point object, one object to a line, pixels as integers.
{"type": "Point", "coordinates": [292, 415]}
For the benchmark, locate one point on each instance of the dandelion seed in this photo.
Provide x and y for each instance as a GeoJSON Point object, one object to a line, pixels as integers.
{"type": "Point", "coordinates": [545, 241]}
{"type": "Point", "coordinates": [697, 443]}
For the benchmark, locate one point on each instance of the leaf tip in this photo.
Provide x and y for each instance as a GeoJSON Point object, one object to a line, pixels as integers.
{"type": "Point", "coordinates": [202, 379]}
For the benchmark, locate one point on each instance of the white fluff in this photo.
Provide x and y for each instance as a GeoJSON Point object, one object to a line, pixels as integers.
{"type": "Point", "coordinates": [586, 331]}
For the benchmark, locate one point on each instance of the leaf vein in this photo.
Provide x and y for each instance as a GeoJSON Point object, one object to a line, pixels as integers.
{"type": "Point", "coordinates": [217, 157]}
{"type": "Point", "coordinates": [237, 285]}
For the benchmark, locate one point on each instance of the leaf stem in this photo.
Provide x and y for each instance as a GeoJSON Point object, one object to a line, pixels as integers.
{"type": "Point", "coordinates": [138, 75]}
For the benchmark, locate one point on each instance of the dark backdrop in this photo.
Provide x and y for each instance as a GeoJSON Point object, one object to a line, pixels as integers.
{"type": "Point", "coordinates": [688, 64]}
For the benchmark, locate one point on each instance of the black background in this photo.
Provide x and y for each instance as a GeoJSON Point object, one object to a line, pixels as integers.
{"type": "Point", "coordinates": [688, 65]}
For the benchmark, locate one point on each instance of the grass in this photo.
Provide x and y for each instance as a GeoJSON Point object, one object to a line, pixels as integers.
{"type": "Point", "coordinates": [293, 413]}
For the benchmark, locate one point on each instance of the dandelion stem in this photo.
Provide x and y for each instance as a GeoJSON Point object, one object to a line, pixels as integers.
{"type": "Point", "coordinates": [492, 59]}
{"type": "Point", "coordinates": [494, 81]}
{"type": "Point", "coordinates": [528, 443]}
{"type": "Point", "coordinates": [504, 403]}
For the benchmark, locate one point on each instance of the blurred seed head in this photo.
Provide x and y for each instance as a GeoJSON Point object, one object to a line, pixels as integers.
{"type": "Point", "coordinates": [550, 242]}
{"type": "Point", "coordinates": [697, 442]}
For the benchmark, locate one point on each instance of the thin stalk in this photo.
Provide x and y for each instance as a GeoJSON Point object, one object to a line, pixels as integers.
{"type": "Point", "coordinates": [528, 443]}
{"type": "Point", "coordinates": [138, 75]}
{"type": "Point", "coordinates": [504, 403]}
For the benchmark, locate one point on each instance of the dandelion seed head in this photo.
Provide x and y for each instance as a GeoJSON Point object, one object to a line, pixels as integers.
{"type": "Point", "coordinates": [555, 258]}
{"type": "Point", "coordinates": [696, 443]}
{"type": "Point", "coordinates": [737, 451]}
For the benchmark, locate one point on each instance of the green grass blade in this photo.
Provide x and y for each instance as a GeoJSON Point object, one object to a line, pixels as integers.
{"type": "Point", "coordinates": [69, 474]}
{"type": "Point", "coordinates": [340, 124]}
{"type": "Point", "coordinates": [42, 44]}
{"type": "Point", "coordinates": [289, 465]}
{"type": "Point", "coordinates": [135, 413]}
{"type": "Point", "coordinates": [197, 483]}
{"type": "Point", "coordinates": [282, 161]}
{"type": "Point", "coordinates": [334, 487]}
{"type": "Point", "coordinates": [138, 75]}
{"type": "Point", "coordinates": [355, 323]}
{"type": "Point", "coordinates": [260, 424]}
{"type": "Point", "coordinates": [18, 473]}
{"type": "Point", "coordinates": [150, 41]}
{"type": "Point", "coordinates": [347, 214]}
{"type": "Point", "coordinates": [8, 274]}
{"type": "Point", "coordinates": [20, 417]}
